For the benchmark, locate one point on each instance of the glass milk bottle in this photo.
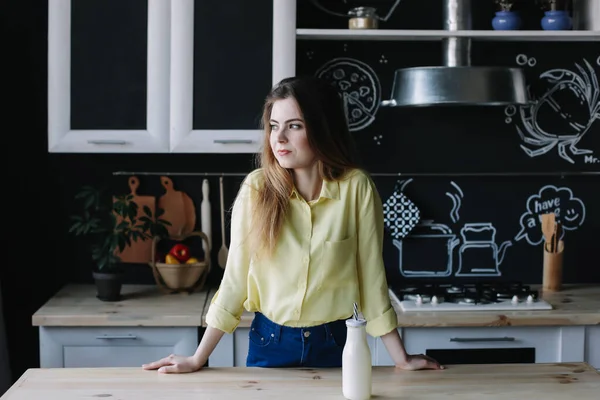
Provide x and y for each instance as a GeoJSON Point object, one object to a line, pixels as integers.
{"type": "Point", "coordinates": [356, 361]}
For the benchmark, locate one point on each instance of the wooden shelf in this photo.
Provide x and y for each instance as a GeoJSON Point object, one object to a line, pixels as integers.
{"type": "Point", "coordinates": [432, 35]}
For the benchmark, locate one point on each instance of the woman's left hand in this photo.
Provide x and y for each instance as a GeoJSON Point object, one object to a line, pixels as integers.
{"type": "Point", "coordinates": [415, 362]}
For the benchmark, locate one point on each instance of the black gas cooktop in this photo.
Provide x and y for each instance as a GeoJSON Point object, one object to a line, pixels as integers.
{"type": "Point", "coordinates": [474, 292]}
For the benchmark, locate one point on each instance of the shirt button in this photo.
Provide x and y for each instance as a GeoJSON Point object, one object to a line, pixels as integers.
{"type": "Point", "coordinates": [305, 259]}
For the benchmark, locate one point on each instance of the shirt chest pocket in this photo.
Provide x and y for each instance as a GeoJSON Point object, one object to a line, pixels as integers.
{"type": "Point", "coordinates": [338, 263]}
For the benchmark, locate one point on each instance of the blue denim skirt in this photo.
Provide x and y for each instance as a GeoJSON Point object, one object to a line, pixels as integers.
{"type": "Point", "coordinates": [277, 346]}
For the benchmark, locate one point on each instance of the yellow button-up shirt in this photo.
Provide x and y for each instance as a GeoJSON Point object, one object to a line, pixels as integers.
{"type": "Point", "coordinates": [328, 256]}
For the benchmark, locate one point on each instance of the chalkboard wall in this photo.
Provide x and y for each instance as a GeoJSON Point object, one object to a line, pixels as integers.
{"type": "Point", "coordinates": [477, 177]}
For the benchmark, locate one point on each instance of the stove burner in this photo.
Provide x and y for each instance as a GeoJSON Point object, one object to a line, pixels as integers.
{"type": "Point", "coordinates": [465, 293]}
{"type": "Point", "coordinates": [454, 289]}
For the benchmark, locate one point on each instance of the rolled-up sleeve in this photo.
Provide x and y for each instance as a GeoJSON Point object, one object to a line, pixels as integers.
{"type": "Point", "coordinates": [226, 306]}
{"type": "Point", "coordinates": [374, 296]}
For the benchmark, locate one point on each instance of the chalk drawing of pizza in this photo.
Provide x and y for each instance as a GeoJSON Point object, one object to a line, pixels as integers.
{"type": "Point", "coordinates": [359, 86]}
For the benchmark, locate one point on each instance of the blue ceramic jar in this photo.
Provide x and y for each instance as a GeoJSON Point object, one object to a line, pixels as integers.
{"type": "Point", "coordinates": [506, 21]}
{"type": "Point", "coordinates": [556, 20]}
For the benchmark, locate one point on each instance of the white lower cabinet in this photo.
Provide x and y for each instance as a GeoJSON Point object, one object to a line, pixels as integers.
{"type": "Point", "coordinates": [544, 344]}
{"type": "Point", "coordinates": [75, 347]}
{"type": "Point", "coordinates": [89, 347]}
{"type": "Point", "coordinates": [592, 346]}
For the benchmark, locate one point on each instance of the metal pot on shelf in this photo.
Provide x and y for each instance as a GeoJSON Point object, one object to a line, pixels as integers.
{"type": "Point", "coordinates": [360, 17]}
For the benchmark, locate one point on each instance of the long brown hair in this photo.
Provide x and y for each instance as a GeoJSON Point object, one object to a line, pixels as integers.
{"type": "Point", "coordinates": [328, 135]}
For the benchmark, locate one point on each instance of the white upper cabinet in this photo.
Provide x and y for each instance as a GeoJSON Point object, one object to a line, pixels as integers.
{"type": "Point", "coordinates": [159, 76]}
{"type": "Point", "coordinates": [225, 57]}
{"type": "Point", "coordinates": [108, 76]}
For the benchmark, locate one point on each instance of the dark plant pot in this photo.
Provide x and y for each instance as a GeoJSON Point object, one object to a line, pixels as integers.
{"type": "Point", "coordinates": [108, 286]}
{"type": "Point", "coordinates": [506, 21]}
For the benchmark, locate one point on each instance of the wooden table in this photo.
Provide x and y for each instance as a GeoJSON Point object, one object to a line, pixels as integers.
{"type": "Point", "coordinates": [502, 381]}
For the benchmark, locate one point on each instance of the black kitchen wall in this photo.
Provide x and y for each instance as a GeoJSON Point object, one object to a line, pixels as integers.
{"type": "Point", "coordinates": [474, 178]}
{"type": "Point", "coordinates": [437, 151]}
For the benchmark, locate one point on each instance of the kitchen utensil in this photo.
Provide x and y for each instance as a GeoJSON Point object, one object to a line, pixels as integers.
{"type": "Point", "coordinates": [140, 250]}
{"type": "Point", "coordinates": [190, 214]}
{"type": "Point", "coordinates": [548, 221]}
{"type": "Point", "coordinates": [556, 236]}
{"type": "Point", "coordinates": [223, 251]}
{"type": "Point", "coordinates": [553, 268]}
{"type": "Point", "coordinates": [174, 208]}
{"type": "Point", "coordinates": [206, 223]}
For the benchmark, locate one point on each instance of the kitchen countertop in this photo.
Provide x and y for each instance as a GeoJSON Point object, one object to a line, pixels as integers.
{"type": "Point", "coordinates": [495, 381]}
{"type": "Point", "coordinates": [142, 305]}
{"type": "Point", "coordinates": [574, 305]}
{"type": "Point", "coordinates": [145, 305]}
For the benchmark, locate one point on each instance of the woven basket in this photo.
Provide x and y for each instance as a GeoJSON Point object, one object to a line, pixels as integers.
{"type": "Point", "coordinates": [173, 278]}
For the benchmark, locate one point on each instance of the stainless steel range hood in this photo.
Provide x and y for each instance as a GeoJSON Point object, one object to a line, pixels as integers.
{"type": "Point", "coordinates": [457, 82]}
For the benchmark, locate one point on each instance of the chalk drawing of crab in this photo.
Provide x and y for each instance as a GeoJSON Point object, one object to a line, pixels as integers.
{"type": "Point", "coordinates": [563, 114]}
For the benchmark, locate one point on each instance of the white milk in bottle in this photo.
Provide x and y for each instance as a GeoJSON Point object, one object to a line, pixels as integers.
{"type": "Point", "coordinates": [356, 361]}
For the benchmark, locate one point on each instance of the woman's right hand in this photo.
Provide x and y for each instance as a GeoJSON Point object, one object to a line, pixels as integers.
{"type": "Point", "coordinates": [174, 364]}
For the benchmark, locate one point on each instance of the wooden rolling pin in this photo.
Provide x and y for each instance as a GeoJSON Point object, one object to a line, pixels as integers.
{"type": "Point", "coordinates": [205, 217]}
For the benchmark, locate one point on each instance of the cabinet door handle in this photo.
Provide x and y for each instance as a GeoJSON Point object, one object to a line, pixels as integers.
{"type": "Point", "coordinates": [233, 141]}
{"type": "Point", "coordinates": [484, 339]}
{"type": "Point", "coordinates": [116, 337]}
{"type": "Point", "coordinates": [107, 141]}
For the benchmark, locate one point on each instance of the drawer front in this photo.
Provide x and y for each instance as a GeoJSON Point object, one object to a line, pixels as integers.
{"type": "Point", "coordinates": [113, 346]}
{"type": "Point", "coordinates": [420, 339]}
{"type": "Point", "coordinates": [544, 340]}
{"type": "Point", "coordinates": [547, 342]}
{"type": "Point", "coordinates": [112, 356]}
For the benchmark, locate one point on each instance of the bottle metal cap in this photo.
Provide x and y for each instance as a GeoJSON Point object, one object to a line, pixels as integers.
{"type": "Point", "coordinates": [356, 323]}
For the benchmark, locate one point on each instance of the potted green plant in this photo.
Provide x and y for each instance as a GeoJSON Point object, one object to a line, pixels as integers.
{"type": "Point", "coordinates": [111, 226]}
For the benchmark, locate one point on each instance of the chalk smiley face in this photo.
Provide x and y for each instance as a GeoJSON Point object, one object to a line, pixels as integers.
{"type": "Point", "coordinates": [572, 217]}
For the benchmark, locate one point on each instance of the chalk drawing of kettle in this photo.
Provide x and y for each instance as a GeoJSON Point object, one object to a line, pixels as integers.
{"type": "Point", "coordinates": [479, 255]}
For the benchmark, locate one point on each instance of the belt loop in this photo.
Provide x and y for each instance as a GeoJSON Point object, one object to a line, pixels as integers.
{"type": "Point", "coordinates": [328, 330]}
{"type": "Point", "coordinates": [277, 332]}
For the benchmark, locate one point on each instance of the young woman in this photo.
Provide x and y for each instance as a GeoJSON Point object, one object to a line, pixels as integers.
{"type": "Point", "coordinates": [306, 244]}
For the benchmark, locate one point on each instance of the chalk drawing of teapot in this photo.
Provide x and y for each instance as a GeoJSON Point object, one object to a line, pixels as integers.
{"type": "Point", "coordinates": [479, 255]}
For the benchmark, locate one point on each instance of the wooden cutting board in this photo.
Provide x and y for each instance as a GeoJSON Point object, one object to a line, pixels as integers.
{"type": "Point", "coordinates": [190, 214]}
{"type": "Point", "coordinates": [140, 251]}
{"type": "Point", "coordinates": [178, 209]}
